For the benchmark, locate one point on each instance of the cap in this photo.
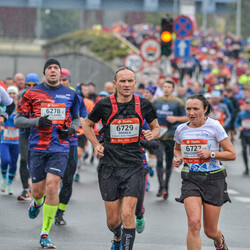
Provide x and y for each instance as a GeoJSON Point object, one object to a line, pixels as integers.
{"type": "Point", "coordinates": [32, 77]}
{"type": "Point", "coordinates": [216, 94]}
{"type": "Point", "coordinates": [151, 89]}
{"type": "Point", "coordinates": [104, 93]}
{"type": "Point", "coordinates": [49, 62]}
{"type": "Point", "coordinates": [12, 89]}
{"type": "Point", "coordinates": [65, 73]}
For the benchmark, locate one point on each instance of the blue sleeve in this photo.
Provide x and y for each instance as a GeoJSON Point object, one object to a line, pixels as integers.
{"type": "Point", "coordinates": [238, 119]}
{"type": "Point", "coordinates": [83, 110]}
{"type": "Point", "coordinates": [145, 125]}
{"type": "Point", "coordinates": [75, 105]}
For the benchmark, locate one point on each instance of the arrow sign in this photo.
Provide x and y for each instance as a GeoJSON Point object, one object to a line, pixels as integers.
{"type": "Point", "coordinates": [182, 48]}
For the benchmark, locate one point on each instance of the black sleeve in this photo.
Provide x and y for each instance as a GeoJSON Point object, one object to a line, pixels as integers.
{"type": "Point", "coordinates": [148, 110]}
{"type": "Point", "coordinates": [150, 145]}
{"type": "Point", "coordinates": [96, 114]}
{"type": "Point", "coordinates": [9, 110]}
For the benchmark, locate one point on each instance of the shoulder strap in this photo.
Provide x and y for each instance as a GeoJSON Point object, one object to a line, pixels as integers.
{"type": "Point", "coordinates": [114, 107]}
{"type": "Point", "coordinates": [138, 107]}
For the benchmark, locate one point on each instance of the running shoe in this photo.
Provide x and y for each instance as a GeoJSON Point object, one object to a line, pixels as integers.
{"type": "Point", "coordinates": [148, 186]}
{"type": "Point", "coordinates": [9, 189]}
{"type": "Point", "coordinates": [77, 178]}
{"type": "Point", "coordinates": [223, 245]}
{"type": "Point", "coordinates": [140, 225]}
{"type": "Point", "coordinates": [3, 185]}
{"type": "Point", "coordinates": [165, 195]}
{"type": "Point", "coordinates": [46, 242]}
{"type": "Point", "coordinates": [151, 171]}
{"type": "Point", "coordinates": [160, 192]}
{"type": "Point", "coordinates": [116, 245]}
{"type": "Point", "coordinates": [33, 210]}
{"type": "Point", "coordinates": [59, 218]}
{"type": "Point", "coordinates": [25, 196]}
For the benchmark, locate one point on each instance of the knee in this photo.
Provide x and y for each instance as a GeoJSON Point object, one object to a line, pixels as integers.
{"type": "Point", "coordinates": [51, 188]}
{"type": "Point", "coordinates": [210, 232]}
{"type": "Point", "coordinates": [194, 225]}
{"type": "Point", "coordinates": [113, 223]}
{"type": "Point", "coordinates": [127, 215]}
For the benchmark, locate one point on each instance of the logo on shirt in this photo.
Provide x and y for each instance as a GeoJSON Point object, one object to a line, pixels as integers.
{"type": "Point", "coordinates": [63, 96]}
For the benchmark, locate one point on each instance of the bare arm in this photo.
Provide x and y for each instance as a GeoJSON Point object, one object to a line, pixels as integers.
{"type": "Point", "coordinates": [154, 132]}
{"type": "Point", "coordinates": [173, 119]}
{"type": "Point", "coordinates": [228, 153]}
{"type": "Point", "coordinates": [87, 128]}
{"type": "Point", "coordinates": [177, 161]}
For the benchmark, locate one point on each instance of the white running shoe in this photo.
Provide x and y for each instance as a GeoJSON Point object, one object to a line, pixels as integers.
{"type": "Point", "coordinates": [3, 185]}
{"type": "Point", "coordinates": [9, 189]}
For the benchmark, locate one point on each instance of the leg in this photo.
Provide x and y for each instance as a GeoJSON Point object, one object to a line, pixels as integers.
{"type": "Point", "coordinates": [159, 167]}
{"type": "Point", "coordinates": [244, 152]}
{"type": "Point", "coordinates": [5, 159]}
{"type": "Point", "coordinates": [210, 220]}
{"type": "Point", "coordinates": [128, 220]}
{"type": "Point", "coordinates": [193, 209]}
{"type": "Point", "coordinates": [14, 152]}
{"type": "Point", "coordinates": [66, 190]}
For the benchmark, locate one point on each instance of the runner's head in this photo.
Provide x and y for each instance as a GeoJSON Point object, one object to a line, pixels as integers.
{"type": "Point", "coordinates": [31, 80]}
{"type": "Point", "coordinates": [168, 88]}
{"type": "Point", "coordinates": [65, 77]}
{"type": "Point", "coordinates": [13, 92]}
{"type": "Point", "coordinates": [52, 71]}
{"type": "Point", "coordinates": [124, 81]}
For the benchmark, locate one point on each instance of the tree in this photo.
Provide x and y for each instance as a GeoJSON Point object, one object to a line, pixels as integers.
{"type": "Point", "coordinates": [58, 22]}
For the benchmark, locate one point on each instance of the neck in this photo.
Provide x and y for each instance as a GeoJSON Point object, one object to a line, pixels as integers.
{"type": "Point", "coordinates": [52, 86]}
{"type": "Point", "coordinates": [168, 97]}
{"type": "Point", "coordinates": [123, 99]}
{"type": "Point", "coordinates": [197, 125]}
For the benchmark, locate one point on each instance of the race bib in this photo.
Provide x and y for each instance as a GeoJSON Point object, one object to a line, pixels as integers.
{"type": "Point", "coordinates": [11, 133]}
{"type": "Point", "coordinates": [189, 150]}
{"type": "Point", "coordinates": [56, 112]}
{"type": "Point", "coordinates": [246, 123]}
{"type": "Point", "coordinates": [124, 130]}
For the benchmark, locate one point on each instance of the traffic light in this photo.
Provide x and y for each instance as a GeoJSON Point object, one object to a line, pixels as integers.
{"type": "Point", "coordinates": [166, 36]}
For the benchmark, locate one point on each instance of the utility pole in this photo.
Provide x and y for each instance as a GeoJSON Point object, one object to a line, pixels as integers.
{"type": "Point", "coordinates": [204, 14]}
{"type": "Point", "coordinates": [238, 18]}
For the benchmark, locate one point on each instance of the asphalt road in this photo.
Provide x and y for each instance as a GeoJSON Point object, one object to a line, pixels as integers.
{"type": "Point", "coordinates": [166, 223]}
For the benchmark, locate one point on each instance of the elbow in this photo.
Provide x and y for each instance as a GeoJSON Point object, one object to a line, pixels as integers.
{"type": "Point", "coordinates": [233, 156]}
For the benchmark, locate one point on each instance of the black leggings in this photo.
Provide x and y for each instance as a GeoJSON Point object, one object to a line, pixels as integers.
{"type": "Point", "coordinates": [23, 149]}
{"type": "Point", "coordinates": [67, 182]}
{"type": "Point", "coordinates": [245, 142]}
{"type": "Point", "coordinates": [166, 147]}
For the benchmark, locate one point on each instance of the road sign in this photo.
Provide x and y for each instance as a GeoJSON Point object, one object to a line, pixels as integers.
{"type": "Point", "coordinates": [150, 74]}
{"type": "Point", "coordinates": [133, 61]}
{"type": "Point", "coordinates": [182, 47]}
{"type": "Point", "coordinates": [150, 50]}
{"type": "Point", "coordinates": [183, 26]}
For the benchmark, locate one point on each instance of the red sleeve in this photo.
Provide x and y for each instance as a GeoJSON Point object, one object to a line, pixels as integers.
{"type": "Point", "coordinates": [25, 106]}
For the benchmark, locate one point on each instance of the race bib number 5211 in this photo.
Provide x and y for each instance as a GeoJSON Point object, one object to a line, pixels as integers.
{"type": "Point", "coordinates": [55, 111]}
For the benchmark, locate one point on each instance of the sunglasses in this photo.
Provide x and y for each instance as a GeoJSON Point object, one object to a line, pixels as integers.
{"type": "Point", "coordinates": [122, 68]}
{"type": "Point", "coordinates": [31, 84]}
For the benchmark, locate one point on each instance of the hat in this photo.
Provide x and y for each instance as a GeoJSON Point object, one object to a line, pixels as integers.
{"type": "Point", "coordinates": [65, 74]}
{"type": "Point", "coordinates": [12, 89]}
{"type": "Point", "coordinates": [151, 89]}
{"type": "Point", "coordinates": [216, 94]}
{"type": "Point", "coordinates": [141, 86]}
{"type": "Point", "coordinates": [49, 62]}
{"type": "Point", "coordinates": [32, 77]}
{"type": "Point", "coordinates": [104, 93]}
{"type": "Point", "coordinates": [207, 95]}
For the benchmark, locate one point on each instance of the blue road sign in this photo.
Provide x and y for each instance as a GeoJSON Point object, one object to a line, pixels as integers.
{"type": "Point", "coordinates": [183, 26]}
{"type": "Point", "coordinates": [182, 47]}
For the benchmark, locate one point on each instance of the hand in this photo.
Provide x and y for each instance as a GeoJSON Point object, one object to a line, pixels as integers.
{"type": "Point", "coordinates": [147, 134]}
{"type": "Point", "coordinates": [1, 120]}
{"type": "Point", "coordinates": [203, 153]}
{"type": "Point", "coordinates": [171, 119]}
{"type": "Point", "coordinates": [99, 150]}
{"type": "Point", "coordinates": [177, 162]}
{"type": "Point", "coordinates": [64, 133]}
{"type": "Point", "coordinates": [44, 122]}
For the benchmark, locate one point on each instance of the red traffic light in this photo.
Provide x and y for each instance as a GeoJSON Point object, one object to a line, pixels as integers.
{"type": "Point", "coordinates": [166, 36]}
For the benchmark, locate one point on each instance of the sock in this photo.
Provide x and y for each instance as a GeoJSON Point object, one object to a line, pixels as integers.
{"type": "Point", "coordinates": [49, 213]}
{"type": "Point", "coordinates": [128, 237]}
{"type": "Point", "coordinates": [62, 206]}
{"type": "Point", "coordinates": [38, 202]}
{"type": "Point", "coordinates": [117, 232]}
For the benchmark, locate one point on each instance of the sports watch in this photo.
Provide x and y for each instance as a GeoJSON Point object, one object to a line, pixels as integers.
{"type": "Point", "coordinates": [212, 155]}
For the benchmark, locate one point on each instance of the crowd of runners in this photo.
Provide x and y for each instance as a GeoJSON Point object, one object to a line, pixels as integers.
{"type": "Point", "coordinates": [189, 118]}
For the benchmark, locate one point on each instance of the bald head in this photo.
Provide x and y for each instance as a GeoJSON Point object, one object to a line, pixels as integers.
{"type": "Point", "coordinates": [20, 81]}
{"type": "Point", "coordinates": [109, 87]}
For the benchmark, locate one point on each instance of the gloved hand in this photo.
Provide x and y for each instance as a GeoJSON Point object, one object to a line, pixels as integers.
{"type": "Point", "coordinates": [65, 132]}
{"type": "Point", "coordinates": [44, 122]}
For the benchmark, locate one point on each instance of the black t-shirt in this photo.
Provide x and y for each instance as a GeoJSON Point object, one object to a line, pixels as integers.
{"type": "Point", "coordinates": [121, 154]}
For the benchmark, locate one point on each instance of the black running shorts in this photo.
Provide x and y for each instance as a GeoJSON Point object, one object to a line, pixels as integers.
{"type": "Point", "coordinates": [212, 191]}
{"type": "Point", "coordinates": [82, 140]}
{"type": "Point", "coordinates": [116, 183]}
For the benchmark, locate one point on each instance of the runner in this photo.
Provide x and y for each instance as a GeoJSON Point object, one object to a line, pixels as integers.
{"type": "Point", "coordinates": [67, 181]}
{"type": "Point", "coordinates": [31, 80]}
{"type": "Point", "coordinates": [120, 171]}
{"type": "Point", "coordinates": [203, 184]}
{"type": "Point", "coordinates": [51, 110]}
{"type": "Point", "coordinates": [171, 112]}
{"type": "Point", "coordinates": [9, 147]}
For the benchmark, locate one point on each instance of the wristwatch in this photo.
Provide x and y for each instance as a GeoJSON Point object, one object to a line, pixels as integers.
{"type": "Point", "coordinates": [212, 155]}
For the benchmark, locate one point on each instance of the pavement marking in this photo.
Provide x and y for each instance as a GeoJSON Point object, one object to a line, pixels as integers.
{"type": "Point", "coordinates": [232, 191]}
{"type": "Point", "coordinates": [243, 199]}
